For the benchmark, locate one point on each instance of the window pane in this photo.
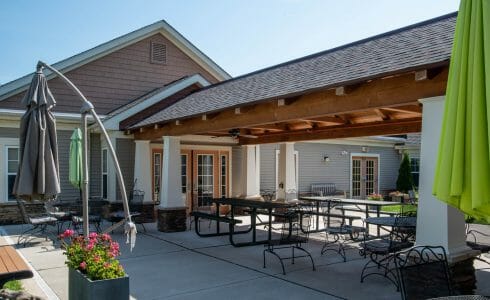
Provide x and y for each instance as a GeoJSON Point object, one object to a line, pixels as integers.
{"type": "Point", "coordinates": [104, 160]}
{"type": "Point", "coordinates": [10, 186]}
{"type": "Point", "coordinates": [104, 186]}
{"type": "Point", "coordinates": [13, 153]}
{"type": "Point", "coordinates": [12, 166]}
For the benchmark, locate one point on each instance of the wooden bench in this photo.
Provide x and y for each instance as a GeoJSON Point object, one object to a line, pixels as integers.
{"type": "Point", "coordinates": [12, 266]}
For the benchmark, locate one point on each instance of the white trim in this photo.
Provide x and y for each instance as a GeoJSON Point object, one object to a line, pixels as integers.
{"type": "Point", "coordinates": [16, 86]}
{"type": "Point", "coordinates": [102, 172]}
{"type": "Point", "coordinates": [296, 166]}
{"type": "Point", "coordinates": [352, 154]}
{"type": "Point", "coordinates": [6, 171]}
{"type": "Point", "coordinates": [16, 114]}
{"type": "Point", "coordinates": [112, 122]}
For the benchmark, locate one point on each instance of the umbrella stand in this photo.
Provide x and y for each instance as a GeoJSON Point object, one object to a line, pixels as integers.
{"type": "Point", "coordinates": [88, 108]}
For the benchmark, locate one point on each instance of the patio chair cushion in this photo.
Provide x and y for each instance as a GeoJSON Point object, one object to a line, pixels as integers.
{"type": "Point", "coordinates": [42, 220]}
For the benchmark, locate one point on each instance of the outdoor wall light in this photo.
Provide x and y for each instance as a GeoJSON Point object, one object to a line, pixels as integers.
{"type": "Point", "coordinates": [326, 158]}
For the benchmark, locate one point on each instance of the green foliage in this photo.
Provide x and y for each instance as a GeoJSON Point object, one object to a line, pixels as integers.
{"type": "Point", "coordinates": [398, 208]}
{"type": "Point", "coordinates": [13, 285]}
{"type": "Point", "coordinates": [95, 256]}
{"type": "Point", "coordinates": [404, 183]}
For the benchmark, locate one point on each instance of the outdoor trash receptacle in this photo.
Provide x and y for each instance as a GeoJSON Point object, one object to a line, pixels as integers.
{"type": "Point", "coordinates": [82, 288]}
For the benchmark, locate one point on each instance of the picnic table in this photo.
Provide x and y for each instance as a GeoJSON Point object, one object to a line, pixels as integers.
{"type": "Point", "coordinates": [256, 206]}
{"type": "Point", "coordinates": [342, 201]}
{"type": "Point", "coordinates": [12, 266]}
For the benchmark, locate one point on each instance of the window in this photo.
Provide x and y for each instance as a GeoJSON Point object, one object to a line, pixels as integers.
{"type": "Point", "coordinates": [157, 171]}
{"type": "Point", "coordinates": [415, 169]}
{"type": "Point", "coordinates": [104, 173]}
{"type": "Point", "coordinates": [183, 159]}
{"type": "Point", "coordinates": [12, 166]}
{"type": "Point", "coordinates": [223, 185]}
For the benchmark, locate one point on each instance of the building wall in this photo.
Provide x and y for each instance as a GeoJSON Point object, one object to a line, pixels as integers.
{"type": "Point", "coordinates": [117, 78]}
{"type": "Point", "coordinates": [95, 165]}
{"type": "Point", "coordinates": [312, 168]}
{"type": "Point", "coordinates": [125, 153]}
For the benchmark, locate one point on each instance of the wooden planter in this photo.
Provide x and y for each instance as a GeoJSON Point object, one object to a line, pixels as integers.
{"type": "Point", "coordinates": [82, 288]}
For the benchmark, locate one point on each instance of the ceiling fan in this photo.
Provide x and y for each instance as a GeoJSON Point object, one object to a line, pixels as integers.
{"type": "Point", "coordinates": [236, 133]}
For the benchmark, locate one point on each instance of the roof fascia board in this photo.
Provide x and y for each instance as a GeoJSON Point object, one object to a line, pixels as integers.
{"type": "Point", "coordinates": [113, 122]}
{"type": "Point", "coordinates": [358, 142]}
{"type": "Point", "coordinates": [21, 84]}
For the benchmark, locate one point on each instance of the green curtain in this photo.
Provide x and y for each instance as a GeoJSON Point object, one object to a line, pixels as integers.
{"type": "Point", "coordinates": [75, 163]}
{"type": "Point", "coordinates": [462, 175]}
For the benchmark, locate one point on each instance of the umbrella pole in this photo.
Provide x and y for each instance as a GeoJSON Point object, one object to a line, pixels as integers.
{"type": "Point", "coordinates": [88, 107]}
{"type": "Point", "coordinates": [85, 176]}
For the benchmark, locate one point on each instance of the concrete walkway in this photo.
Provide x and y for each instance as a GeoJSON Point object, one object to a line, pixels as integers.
{"type": "Point", "coordinates": [184, 266]}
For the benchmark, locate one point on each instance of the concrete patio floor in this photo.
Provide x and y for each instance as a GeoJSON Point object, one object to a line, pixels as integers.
{"type": "Point", "coordinates": [184, 266]}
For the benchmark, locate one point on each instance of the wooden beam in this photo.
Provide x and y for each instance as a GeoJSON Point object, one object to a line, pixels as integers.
{"type": "Point", "coordinates": [381, 114]}
{"type": "Point", "coordinates": [379, 93]}
{"type": "Point", "coordinates": [342, 131]}
{"type": "Point", "coordinates": [405, 109]}
{"type": "Point", "coordinates": [327, 119]}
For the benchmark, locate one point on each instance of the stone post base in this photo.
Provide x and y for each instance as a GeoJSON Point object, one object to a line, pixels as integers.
{"type": "Point", "coordinates": [463, 276]}
{"type": "Point", "coordinates": [171, 219]}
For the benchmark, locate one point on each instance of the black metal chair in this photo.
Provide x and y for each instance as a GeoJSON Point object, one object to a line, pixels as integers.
{"type": "Point", "coordinates": [62, 217]}
{"type": "Point", "coordinates": [474, 240]}
{"type": "Point", "coordinates": [338, 234]}
{"type": "Point", "coordinates": [423, 273]}
{"type": "Point", "coordinates": [293, 236]}
{"type": "Point", "coordinates": [381, 252]}
{"type": "Point", "coordinates": [38, 222]}
{"type": "Point", "coordinates": [96, 207]}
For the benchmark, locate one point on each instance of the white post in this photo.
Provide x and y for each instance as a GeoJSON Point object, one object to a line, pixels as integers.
{"type": "Point", "coordinates": [171, 187]}
{"type": "Point", "coordinates": [142, 168]}
{"type": "Point", "coordinates": [286, 177]}
{"type": "Point", "coordinates": [111, 168]}
{"type": "Point", "coordinates": [437, 223]}
{"type": "Point", "coordinates": [250, 171]}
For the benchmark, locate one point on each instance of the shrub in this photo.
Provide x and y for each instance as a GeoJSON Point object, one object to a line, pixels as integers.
{"type": "Point", "coordinates": [404, 183]}
{"type": "Point", "coordinates": [94, 257]}
{"type": "Point", "coordinates": [13, 285]}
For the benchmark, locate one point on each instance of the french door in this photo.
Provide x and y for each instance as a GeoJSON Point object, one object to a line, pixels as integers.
{"type": "Point", "coordinates": [364, 178]}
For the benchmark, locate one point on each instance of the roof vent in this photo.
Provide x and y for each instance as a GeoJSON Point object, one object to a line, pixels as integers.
{"type": "Point", "coordinates": [158, 53]}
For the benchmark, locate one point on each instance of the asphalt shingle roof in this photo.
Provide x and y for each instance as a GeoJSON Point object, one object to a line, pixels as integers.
{"type": "Point", "coordinates": [418, 45]}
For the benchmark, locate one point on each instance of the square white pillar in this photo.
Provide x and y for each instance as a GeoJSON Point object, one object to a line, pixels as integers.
{"type": "Point", "coordinates": [171, 187]}
{"type": "Point", "coordinates": [250, 171]}
{"type": "Point", "coordinates": [437, 223]}
{"type": "Point", "coordinates": [286, 173]}
{"type": "Point", "coordinates": [142, 168]}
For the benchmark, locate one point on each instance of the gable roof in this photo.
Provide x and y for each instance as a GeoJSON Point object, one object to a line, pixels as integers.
{"type": "Point", "coordinates": [116, 116]}
{"type": "Point", "coordinates": [422, 45]}
{"type": "Point", "coordinates": [14, 87]}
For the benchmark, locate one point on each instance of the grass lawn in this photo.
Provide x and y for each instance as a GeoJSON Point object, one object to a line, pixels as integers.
{"type": "Point", "coordinates": [398, 208]}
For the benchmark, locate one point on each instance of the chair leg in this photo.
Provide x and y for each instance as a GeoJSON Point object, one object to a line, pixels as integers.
{"type": "Point", "coordinates": [309, 255]}
{"type": "Point", "coordinates": [271, 251]}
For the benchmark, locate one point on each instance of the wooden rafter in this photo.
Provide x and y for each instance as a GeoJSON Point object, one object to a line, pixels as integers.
{"type": "Point", "coordinates": [385, 93]}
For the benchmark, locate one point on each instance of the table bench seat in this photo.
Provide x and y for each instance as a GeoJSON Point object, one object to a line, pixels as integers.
{"type": "Point", "coordinates": [12, 266]}
{"type": "Point", "coordinates": [209, 216]}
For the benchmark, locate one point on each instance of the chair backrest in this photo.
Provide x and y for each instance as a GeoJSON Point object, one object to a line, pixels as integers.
{"type": "Point", "coordinates": [299, 229]}
{"type": "Point", "coordinates": [423, 272]}
{"type": "Point", "coordinates": [323, 189]}
{"type": "Point", "coordinates": [23, 212]}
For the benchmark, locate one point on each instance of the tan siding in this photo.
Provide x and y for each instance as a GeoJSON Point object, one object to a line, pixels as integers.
{"type": "Point", "coordinates": [117, 78]}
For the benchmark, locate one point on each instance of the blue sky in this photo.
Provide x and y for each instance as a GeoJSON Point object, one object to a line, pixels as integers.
{"type": "Point", "coordinates": [241, 36]}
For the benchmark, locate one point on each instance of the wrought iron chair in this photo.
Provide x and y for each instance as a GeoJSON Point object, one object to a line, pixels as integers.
{"type": "Point", "coordinates": [338, 234]}
{"type": "Point", "coordinates": [423, 273]}
{"type": "Point", "coordinates": [292, 237]}
{"type": "Point", "coordinates": [381, 252]}
{"type": "Point", "coordinates": [39, 224]}
{"type": "Point", "coordinates": [474, 241]}
{"type": "Point", "coordinates": [62, 217]}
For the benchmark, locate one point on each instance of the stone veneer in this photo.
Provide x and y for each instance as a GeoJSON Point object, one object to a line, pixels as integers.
{"type": "Point", "coordinates": [172, 219]}
{"type": "Point", "coordinates": [463, 276]}
{"type": "Point", "coordinates": [10, 213]}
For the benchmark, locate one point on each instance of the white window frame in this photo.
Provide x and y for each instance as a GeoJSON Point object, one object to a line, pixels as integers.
{"type": "Point", "coordinates": [7, 173]}
{"type": "Point", "coordinates": [104, 173]}
{"type": "Point", "coordinates": [225, 184]}
{"type": "Point", "coordinates": [363, 154]}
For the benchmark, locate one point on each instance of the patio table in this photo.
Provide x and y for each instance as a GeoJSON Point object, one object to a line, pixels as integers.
{"type": "Point", "coordinates": [254, 205]}
{"type": "Point", "coordinates": [357, 202]}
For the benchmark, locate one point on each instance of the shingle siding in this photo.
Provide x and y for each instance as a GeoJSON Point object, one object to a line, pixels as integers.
{"type": "Point", "coordinates": [117, 78]}
{"type": "Point", "coordinates": [7, 132]}
{"type": "Point", "coordinates": [125, 154]}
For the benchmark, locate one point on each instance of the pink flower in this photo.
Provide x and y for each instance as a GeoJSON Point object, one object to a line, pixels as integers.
{"type": "Point", "coordinates": [114, 246]}
{"type": "Point", "coordinates": [90, 246]}
{"type": "Point", "coordinates": [83, 265]}
{"type": "Point", "coordinates": [106, 265]}
{"type": "Point", "coordinates": [92, 235]}
{"type": "Point", "coordinates": [96, 258]}
{"type": "Point", "coordinates": [68, 233]}
{"type": "Point", "coordinates": [106, 237]}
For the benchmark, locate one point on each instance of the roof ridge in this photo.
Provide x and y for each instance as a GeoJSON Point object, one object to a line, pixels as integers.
{"type": "Point", "coordinates": [341, 47]}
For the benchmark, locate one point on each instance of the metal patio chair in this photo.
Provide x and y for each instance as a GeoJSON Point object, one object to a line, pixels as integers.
{"type": "Point", "coordinates": [338, 234]}
{"type": "Point", "coordinates": [475, 240]}
{"type": "Point", "coordinates": [39, 224]}
{"type": "Point", "coordinates": [423, 273]}
{"type": "Point", "coordinates": [292, 237]}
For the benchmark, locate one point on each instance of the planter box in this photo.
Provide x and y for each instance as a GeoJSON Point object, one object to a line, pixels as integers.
{"type": "Point", "coordinates": [82, 288]}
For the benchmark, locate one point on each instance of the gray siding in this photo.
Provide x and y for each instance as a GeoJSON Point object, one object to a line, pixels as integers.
{"type": "Point", "coordinates": [6, 132]}
{"type": "Point", "coordinates": [95, 165]}
{"type": "Point", "coordinates": [312, 169]}
{"type": "Point", "coordinates": [125, 155]}
{"type": "Point", "coordinates": [68, 192]}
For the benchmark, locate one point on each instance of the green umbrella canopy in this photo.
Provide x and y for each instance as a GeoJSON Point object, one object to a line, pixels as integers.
{"type": "Point", "coordinates": [462, 175]}
{"type": "Point", "coordinates": [75, 164]}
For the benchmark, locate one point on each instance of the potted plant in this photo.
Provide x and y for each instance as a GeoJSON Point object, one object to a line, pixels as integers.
{"type": "Point", "coordinates": [93, 270]}
{"type": "Point", "coordinates": [374, 196]}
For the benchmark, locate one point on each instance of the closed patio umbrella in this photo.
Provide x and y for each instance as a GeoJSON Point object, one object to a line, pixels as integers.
{"type": "Point", "coordinates": [462, 175]}
{"type": "Point", "coordinates": [75, 163]}
{"type": "Point", "coordinates": [38, 176]}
